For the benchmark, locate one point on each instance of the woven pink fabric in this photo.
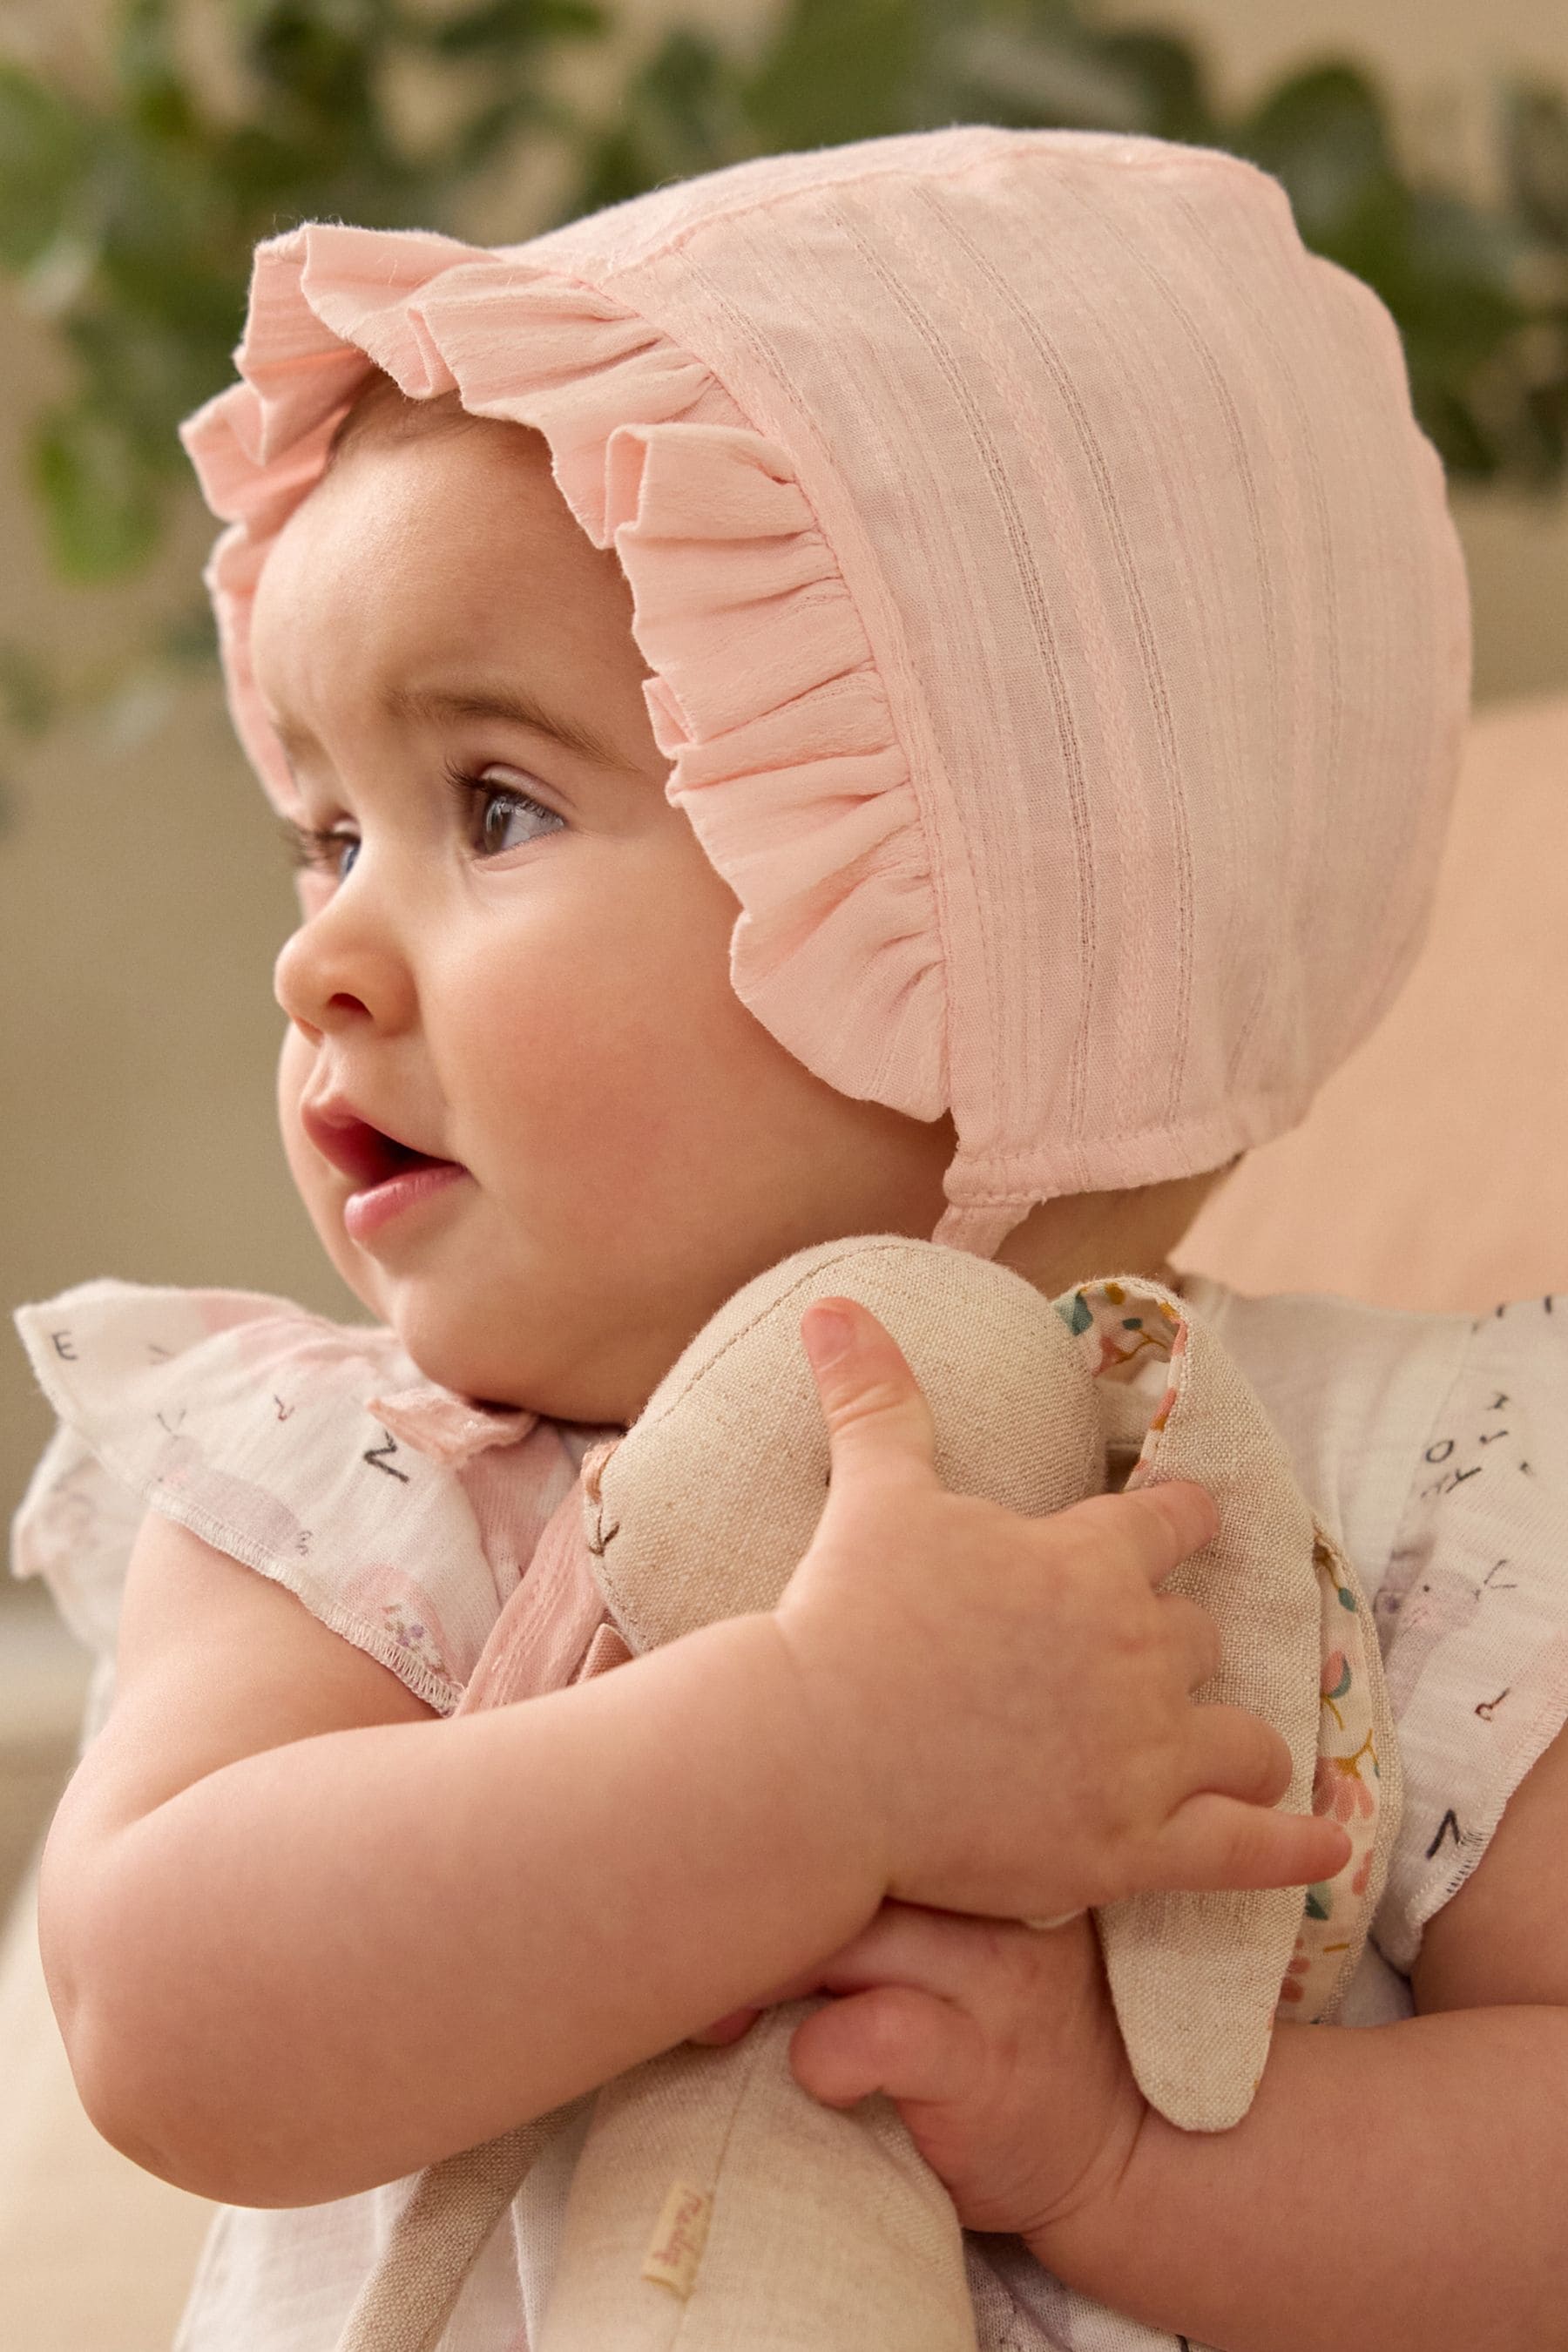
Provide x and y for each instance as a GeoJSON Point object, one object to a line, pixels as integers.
{"type": "Point", "coordinates": [1056, 629]}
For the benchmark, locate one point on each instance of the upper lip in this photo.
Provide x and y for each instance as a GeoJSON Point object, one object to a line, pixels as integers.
{"type": "Point", "coordinates": [365, 1151]}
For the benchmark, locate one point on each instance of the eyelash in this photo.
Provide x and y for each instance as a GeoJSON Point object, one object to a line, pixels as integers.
{"type": "Point", "coordinates": [320, 850]}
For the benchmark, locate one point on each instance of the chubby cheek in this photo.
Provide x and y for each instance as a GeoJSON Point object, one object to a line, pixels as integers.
{"type": "Point", "coordinates": [609, 1072]}
{"type": "Point", "coordinates": [294, 1059]}
{"type": "Point", "coordinates": [605, 1127]}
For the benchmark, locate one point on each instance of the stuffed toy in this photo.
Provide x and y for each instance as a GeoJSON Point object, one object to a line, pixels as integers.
{"type": "Point", "coordinates": [702, 2201]}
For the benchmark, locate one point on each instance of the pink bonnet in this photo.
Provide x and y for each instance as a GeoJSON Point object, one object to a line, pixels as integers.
{"type": "Point", "coordinates": [1057, 632]}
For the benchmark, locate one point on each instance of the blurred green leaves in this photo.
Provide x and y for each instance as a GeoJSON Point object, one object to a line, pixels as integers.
{"type": "Point", "coordinates": [131, 197]}
{"type": "Point", "coordinates": [128, 213]}
{"type": "Point", "coordinates": [1481, 295]}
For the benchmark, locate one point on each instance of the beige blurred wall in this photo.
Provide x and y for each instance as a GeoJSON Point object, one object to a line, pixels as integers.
{"type": "Point", "coordinates": [141, 892]}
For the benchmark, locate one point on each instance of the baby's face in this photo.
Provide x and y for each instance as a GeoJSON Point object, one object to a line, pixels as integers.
{"type": "Point", "coordinates": [536, 1129]}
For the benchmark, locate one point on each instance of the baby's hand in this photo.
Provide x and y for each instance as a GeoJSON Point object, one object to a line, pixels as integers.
{"type": "Point", "coordinates": [997, 2044]}
{"type": "Point", "coordinates": [1000, 2049]}
{"type": "Point", "coordinates": [1006, 1699]}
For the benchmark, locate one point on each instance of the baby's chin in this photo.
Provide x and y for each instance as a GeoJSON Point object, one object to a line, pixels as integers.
{"type": "Point", "coordinates": [461, 1344]}
{"type": "Point", "coordinates": [532, 1364]}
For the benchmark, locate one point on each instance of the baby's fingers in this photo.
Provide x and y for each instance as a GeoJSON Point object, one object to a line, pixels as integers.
{"type": "Point", "coordinates": [1154, 1528]}
{"type": "Point", "coordinates": [1212, 1841]}
{"type": "Point", "coordinates": [894, 2039]}
{"type": "Point", "coordinates": [1235, 1753]}
{"type": "Point", "coordinates": [879, 1421]}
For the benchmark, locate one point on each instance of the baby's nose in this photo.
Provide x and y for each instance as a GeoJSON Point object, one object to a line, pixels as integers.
{"type": "Point", "coordinates": [342, 967]}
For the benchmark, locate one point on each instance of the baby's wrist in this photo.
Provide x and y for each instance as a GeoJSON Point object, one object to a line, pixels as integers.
{"type": "Point", "coordinates": [1078, 2241]}
{"type": "Point", "coordinates": [836, 1781]}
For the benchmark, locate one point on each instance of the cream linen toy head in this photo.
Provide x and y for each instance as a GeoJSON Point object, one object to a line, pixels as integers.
{"type": "Point", "coordinates": [713, 2203]}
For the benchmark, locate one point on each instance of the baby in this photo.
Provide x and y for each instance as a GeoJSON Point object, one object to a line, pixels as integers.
{"type": "Point", "coordinates": [908, 689]}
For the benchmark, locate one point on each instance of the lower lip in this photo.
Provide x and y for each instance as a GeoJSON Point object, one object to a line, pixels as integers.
{"type": "Point", "coordinates": [367, 1213]}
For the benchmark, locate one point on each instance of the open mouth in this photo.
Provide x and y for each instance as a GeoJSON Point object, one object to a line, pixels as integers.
{"type": "Point", "coordinates": [367, 1154]}
{"type": "Point", "coordinates": [366, 1212]}
{"type": "Point", "coordinates": [388, 1175]}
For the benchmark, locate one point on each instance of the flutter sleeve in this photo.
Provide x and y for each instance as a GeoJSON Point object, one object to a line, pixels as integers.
{"type": "Point", "coordinates": [401, 1516]}
{"type": "Point", "coordinates": [1472, 1608]}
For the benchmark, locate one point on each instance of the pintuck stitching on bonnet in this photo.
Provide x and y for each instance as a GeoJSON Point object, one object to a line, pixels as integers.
{"type": "Point", "coordinates": [765, 695]}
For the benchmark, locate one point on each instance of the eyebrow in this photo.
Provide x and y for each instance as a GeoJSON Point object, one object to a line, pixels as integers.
{"type": "Point", "coordinates": [408, 705]}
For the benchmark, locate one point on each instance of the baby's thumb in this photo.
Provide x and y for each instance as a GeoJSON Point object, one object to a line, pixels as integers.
{"type": "Point", "coordinates": [871, 1400]}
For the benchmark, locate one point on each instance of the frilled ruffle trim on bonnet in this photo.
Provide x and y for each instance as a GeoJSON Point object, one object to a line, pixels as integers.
{"type": "Point", "coordinates": [764, 694]}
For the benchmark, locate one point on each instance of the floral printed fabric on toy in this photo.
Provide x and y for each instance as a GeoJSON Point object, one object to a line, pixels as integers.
{"type": "Point", "coordinates": [1138, 1338]}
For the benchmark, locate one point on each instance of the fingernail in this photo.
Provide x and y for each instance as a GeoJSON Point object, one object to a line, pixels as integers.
{"type": "Point", "coordinates": [1211, 1508]}
{"type": "Point", "coordinates": [827, 1333]}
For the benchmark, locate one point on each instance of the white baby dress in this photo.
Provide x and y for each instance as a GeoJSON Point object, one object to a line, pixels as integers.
{"type": "Point", "coordinates": [1433, 1446]}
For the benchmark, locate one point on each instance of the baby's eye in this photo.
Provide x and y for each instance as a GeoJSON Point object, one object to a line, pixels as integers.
{"type": "Point", "coordinates": [501, 816]}
{"type": "Point", "coordinates": [329, 853]}
{"type": "Point", "coordinates": [508, 819]}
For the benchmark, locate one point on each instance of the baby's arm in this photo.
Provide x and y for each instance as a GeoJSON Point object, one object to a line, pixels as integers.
{"type": "Point", "coordinates": [300, 1933]}
{"type": "Point", "coordinates": [303, 1937]}
{"type": "Point", "coordinates": [1393, 2186]}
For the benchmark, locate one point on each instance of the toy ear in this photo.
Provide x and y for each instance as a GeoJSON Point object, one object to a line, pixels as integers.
{"type": "Point", "coordinates": [703, 1509]}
